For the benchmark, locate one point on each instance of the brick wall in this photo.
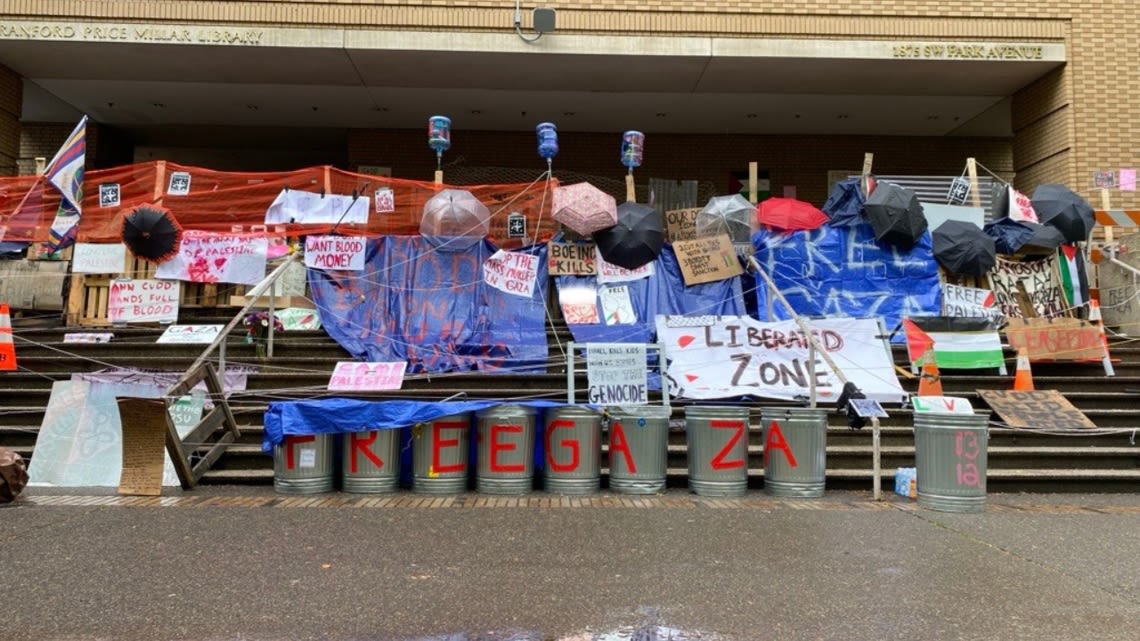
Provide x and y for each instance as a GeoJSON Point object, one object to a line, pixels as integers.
{"type": "Point", "coordinates": [11, 99]}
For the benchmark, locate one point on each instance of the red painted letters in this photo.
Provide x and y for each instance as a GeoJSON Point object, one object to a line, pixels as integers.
{"type": "Point", "coordinates": [438, 443]}
{"type": "Point", "coordinates": [775, 441]}
{"type": "Point", "coordinates": [499, 446]}
{"type": "Point", "coordinates": [570, 444]}
{"type": "Point", "coordinates": [290, 442]}
{"type": "Point", "coordinates": [618, 445]}
{"type": "Point", "coordinates": [718, 462]}
{"type": "Point", "coordinates": [359, 444]}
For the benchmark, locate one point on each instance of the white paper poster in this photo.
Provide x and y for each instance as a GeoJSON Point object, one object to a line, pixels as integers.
{"type": "Point", "coordinates": [143, 301]}
{"type": "Point", "coordinates": [511, 272]}
{"type": "Point", "coordinates": [725, 356]}
{"type": "Point", "coordinates": [617, 308]}
{"type": "Point", "coordinates": [1021, 207]}
{"type": "Point", "coordinates": [969, 302]}
{"type": "Point", "coordinates": [205, 257]}
{"type": "Point", "coordinates": [335, 252]}
{"type": "Point", "coordinates": [610, 273]}
{"type": "Point", "coordinates": [99, 258]}
{"type": "Point", "coordinates": [306, 208]}
{"type": "Point", "coordinates": [354, 376]}
{"type": "Point", "coordinates": [190, 334]}
{"type": "Point", "coordinates": [579, 304]}
{"type": "Point", "coordinates": [617, 374]}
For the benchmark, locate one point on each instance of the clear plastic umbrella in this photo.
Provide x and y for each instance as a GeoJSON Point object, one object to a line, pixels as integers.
{"type": "Point", "coordinates": [456, 214]}
{"type": "Point", "coordinates": [730, 215]}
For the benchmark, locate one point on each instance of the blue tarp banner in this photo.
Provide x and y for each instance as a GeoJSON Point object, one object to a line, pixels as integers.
{"type": "Point", "coordinates": [844, 271]}
{"type": "Point", "coordinates": [428, 305]}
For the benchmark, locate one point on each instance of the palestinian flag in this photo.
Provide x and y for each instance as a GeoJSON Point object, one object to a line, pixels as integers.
{"type": "Point", "coordinates": [957, 343]}
{"type": "Point", "coordinates": [1074, 276]}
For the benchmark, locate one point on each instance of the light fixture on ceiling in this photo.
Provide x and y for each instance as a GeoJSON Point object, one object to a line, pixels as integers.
{"type": "Point", "coordinates": [751, 115]}
{"type": "Point", "coordinates": [542, 21]}
{"type": "Point", "coordinates": [157, 105]}
{"type": "Point", "coordinates": [251, 107]}
{"type": "Point", "coordinates": [568, 113]}
{"type": "Point", "coordinates": [932, 117]}
{"type": "Point", "coordinates": [476, 112]}
{"type": "Point", "coordinates": [842, 117]}
{"type": "Point", "coordinates": [661, 114]}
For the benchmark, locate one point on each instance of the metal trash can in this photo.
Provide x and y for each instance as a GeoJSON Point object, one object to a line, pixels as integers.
{"type": "Point", "coordinates": [718, 450]}
{"type": "Point", "coordinates": [303, 464]}
{"type": "Point", "coordinates": [795, 451]}
{"type": "Point", "coordinates": [440, 454]}
{"type": "Point", "coordinates": [950, 457]}
{"type": "Point", "coordinates": [506, 450]}
{"type": "Point", "coordinates": [370, 461]}
{"type": "Point", "coordinates": [638, 448]}
{"type": "Point", "coordinates": [573, 451]}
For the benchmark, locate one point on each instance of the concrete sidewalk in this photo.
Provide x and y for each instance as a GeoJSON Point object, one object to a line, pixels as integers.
{"type": "Point", "coordinates": [245, 563]}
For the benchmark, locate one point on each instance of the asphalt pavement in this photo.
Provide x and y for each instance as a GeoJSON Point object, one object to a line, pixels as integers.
{"type": "Point", "coordinates": [245, 563]}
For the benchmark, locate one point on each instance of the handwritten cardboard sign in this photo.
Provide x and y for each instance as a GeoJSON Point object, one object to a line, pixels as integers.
{"type": "Point", "coordinates": [1040, 280]}
{"type": "Point", "coordinates": [99, 258]}
{"type": "Point", "coordinates": [142, 301]}
{"type": "Point", "coordinates": [576, 259]}
{"type": "Point", "coordinates": [511, 272]}
{"type": "Point", "coordinates": [708, 259]}
{"type": "Point", "coordinates": [965, 302]}
{"type": "Point", "coordinates": [681, 224]}
{"type": "Point", "coordinates": [1057, 339]}
{"type": "Point", "coordinates": [335, 252]}
{"type": "Point", "coordinates": [1036, 409]}
{"type": "Point", "coordinates": [616, 373]}
{"type": "Point", "coordinates": [190, 334]}
{"type": "Point", "coordinates": [144, 445]}
{"type": "Point", "coordinates": [354, 376]}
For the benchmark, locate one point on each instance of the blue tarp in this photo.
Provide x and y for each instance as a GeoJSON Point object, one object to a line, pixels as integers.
{"type": "Point", "coordinates": [429, 306]}
{"type": "Point", "coordinates": [844, 271]}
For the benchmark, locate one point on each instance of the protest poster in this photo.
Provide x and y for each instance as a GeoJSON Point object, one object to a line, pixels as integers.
{"type": "Point", "coordinates": [99, 258]}
{"type": "Point", "coordinates": [969, 302]}
{"type": "Point", "coordinates": [335, 252]}
{"type": "Point", "coordinates": [705, 260]}
{"type": "Point", "coordinates": [611, 273]}
{"type": "Point", "coordinates": [1036, 409]}
{"type": "Point", "coordinates": [293, 206]}
{"type": "Point", "coordinates": [681, 224]}
{"type": "Point", "coordinates": [513, 273]}
{"type": "Point", "coordinates": [1055, 339]}
{"type": "Point", "coordinates": [190, 334]}
{"type": "Point", "coordinates": [143, 424]}
{"type": "Point", "coordinates": [143, 301]}
{"type": "Point", "coordinates": [726, 356]}
{"type": "Point", "coordinates": [206, 257]}
{"type": "Point", "coordinates": [1039, 277]}
{"type": "Point", "coordinates": [579, 304]}
{"type": "Point", "coordinates": [573, 259]}
{"type": "Point", "coordinates": [617, 374]}
{"type": "Point", "coordinates": [617, 308]}
{"type": "Point", "coordinates": [354, 376]}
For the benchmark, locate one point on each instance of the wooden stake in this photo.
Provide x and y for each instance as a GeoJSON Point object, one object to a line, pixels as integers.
{"type": "Point", "coordinates": [972, 172]}
{"type": "Point", "coordinates": [1106, 204]}
{"type": "Point", "coordinates": [438, 177]}
{"type": "Point", "coordinates": [41, 165]}
{"type": "Point", "coordinates": [753, 180]}
{"type": "Point", "coordinates": [630, 189]}
{"type": "Point", "coordinates": [868, 159]}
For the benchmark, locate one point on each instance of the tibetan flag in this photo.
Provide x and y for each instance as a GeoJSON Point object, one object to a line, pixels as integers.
{"type": "Point", "coordinates": [1074, 277]}
{"type": "Point", "coordinates": [65, 172]}
{"type": "Point", "coordinates": [957, 343]}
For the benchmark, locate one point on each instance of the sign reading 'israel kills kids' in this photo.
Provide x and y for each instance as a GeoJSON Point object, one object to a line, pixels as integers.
{"type": "Point", "coordinates": [616, 373]}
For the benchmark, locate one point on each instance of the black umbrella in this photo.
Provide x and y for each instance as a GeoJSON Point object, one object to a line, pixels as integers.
{"type": "Point", "coordinates": [635, 240]}
{"type": "Point", "coordinates": [1009, 235]}
{"type": "Point", "coordinates": [896, 215]}
{"type": "Point", "coordinates": [1044, 241]}
{"type": "Point", "coordinates": [963, 248]}
{"type": "Point", "coordinates": [151, 233]}
{"type": "Point", "coordinates": [1058, 206]}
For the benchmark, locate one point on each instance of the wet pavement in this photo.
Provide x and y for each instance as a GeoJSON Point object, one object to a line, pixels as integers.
{"type": "Point", "coordinates": [244, 563]}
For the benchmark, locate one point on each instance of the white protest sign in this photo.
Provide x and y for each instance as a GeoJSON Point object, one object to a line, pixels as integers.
{"type": "Point", "coordinates": [334, 252]}
{"type": "Point", "coordinates": [964, 302]}
{"type": "Point", "coordinates": [205, 257]}
{"type": "Point", "coordinates": [99, 258]}
{"type": "Point", "coordinates": [143, 301]}
{"type": "Point", "coordinates": [616, 373]}
{"type": "Point", "coordinates": [308, 208]}
{"type": "Point", "coordinates": [511, 272]}
{"type": "Point", "coordinates": [354, 376]}
{"type": "Point", "coordinates": [617, 308]}
{"type": "Point", "coordinates": [190, 334]}
{"type": "Point", "coordinates": [941, 405]}
{"type": "Point", "coordinates": [611, 273]}
{"type": "Point", "coordinates": [724, 356]}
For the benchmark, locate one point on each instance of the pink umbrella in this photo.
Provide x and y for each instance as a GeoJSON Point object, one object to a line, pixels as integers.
{"type": "Point", "coordinates": [584, 208]}
{"type": "Point", "coordinates": [789, 214]}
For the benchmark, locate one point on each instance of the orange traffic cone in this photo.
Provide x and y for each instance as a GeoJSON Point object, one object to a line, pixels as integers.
{"type": "Point", "coordinates": [7, 347]}
{"type": "Point", "coordinates": [930, 382]}
{"type": "Point", "coordinates": [1095, 317]}
{"type": "Point", "coordinates": [1023, 379]}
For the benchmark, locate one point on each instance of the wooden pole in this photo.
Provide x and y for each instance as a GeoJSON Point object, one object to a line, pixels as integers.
{"type": "Point", "coordinates": [1106, 204]}
{"type": "Point", "coordinates": [438, 177]}
{"type": "Point", "coordinates": [630, 189]}
{"type": "Point", "coordinates": [972, 173]}
{"type": "Point", "coordinates": [864, 181]}
{"type": "Point", "coordinates": [753, 182]}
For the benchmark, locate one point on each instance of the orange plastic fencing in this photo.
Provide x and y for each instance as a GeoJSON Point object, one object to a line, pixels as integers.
{"type": "Point", "coordinates": [219, 200]}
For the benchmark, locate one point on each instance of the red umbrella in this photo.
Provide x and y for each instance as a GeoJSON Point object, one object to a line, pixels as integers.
{"type": "Point", "coordinates": [789, 214]}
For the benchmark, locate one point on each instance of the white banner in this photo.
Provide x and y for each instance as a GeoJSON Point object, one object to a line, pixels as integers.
{"type": "Point", "coordinates": [335, 252]}
{"type": "Point", "coordinates": [611, 273]}
{"type": "Point", "coordinates": [205, 257]}
{"type": "Point", "coordinates": [307, 208]}
{"type": "Point", "coordinates": [101, 258]}
{"type": "Point", "coordinates": [725, 356]}
{"type": "Point", "coordinates": [511, 272]}
{"type": "Point", "coordinates": [143, 301]}
{"type": "Point", "coordinates": [616, 373]}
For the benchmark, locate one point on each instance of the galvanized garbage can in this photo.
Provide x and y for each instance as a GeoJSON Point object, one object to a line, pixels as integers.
{"type": "Point", "coordinates": [440, 453]}
{"type": "Point", "coordinates": [303, 464]}
{"type": "Point", "coordinates": [573, 450]}
{"type": "Point", "coordinates": [638, 446]}
{"type": "Point", "coordinates": [795, 451]}
{"type": "Point", "coordinates": [718, 450]}
{"type": "Point", "coordinates": [950, 457]}
{"type": "Point", "coordinates": [370, 461]}
{"type": "Point", "coordinates": [506, 450]}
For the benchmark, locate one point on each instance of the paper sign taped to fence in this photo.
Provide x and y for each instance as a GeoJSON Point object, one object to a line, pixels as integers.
{"type": "Point", "coordinates": [611, 273]}
{"type": "Point", "coordinates": [616, 373]}
{"type": "Point", "coordinates": [708, 259]}
{"type": "Point", "coordinates": [88, 337]}
{"type": "Point", "coordinates": [307, 208]}
{"type": "Point", "coordinates": [1036, 409]}
{"type": "Point", "coordinates": [941, 405]}
{"type": "Point", "coordinates": [143, 301]}
{"type": "Point", "coordinates": [682, 224]}
{"type": "Point", "coordinates": [190, 334]}
{"type": "Point", "coordinates": [964, 302]}
{"type": "Point", "coordinates": [335, 252]}
{"type": "Point", "coordinates": [572, 259]}
{"type": "Point", "coordinates": [205, 257]}
{"type": "Point", "coordinates": [354, 376]}
{"type": "Point", "coordinates": [1056, 339]}
{"type": "Point", "coordinates": [511, 272]}
{"type": "Point", "coordinates": [143, 424]}
{"type": "Point", "coordinates": [99, 258]}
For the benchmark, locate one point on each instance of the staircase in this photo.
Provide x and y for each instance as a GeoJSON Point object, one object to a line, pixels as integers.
{"type": "Point", "coordinates": [1019, 460]}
